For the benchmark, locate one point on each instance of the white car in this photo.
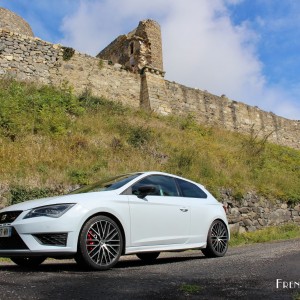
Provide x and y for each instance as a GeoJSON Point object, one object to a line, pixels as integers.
{"type": "Point", "coordinates": [143, 213]}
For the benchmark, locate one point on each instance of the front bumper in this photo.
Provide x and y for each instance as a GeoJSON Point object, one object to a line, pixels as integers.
{"type": "Point", "coordinates": [42, 236]}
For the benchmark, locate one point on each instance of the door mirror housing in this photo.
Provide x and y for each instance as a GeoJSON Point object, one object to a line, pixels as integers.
{"type": "Point", "coordinates": [145, 190]}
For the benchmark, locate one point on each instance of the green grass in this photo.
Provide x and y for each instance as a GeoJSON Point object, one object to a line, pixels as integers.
{"type": "Point", "coordinates": [51, 140]}
{"type": "Point", "coordinates": [190, 288]}
{"type": "Point", "coordinates": [296, 296]}
{"type": "Point", "coordinates": [268, 234]}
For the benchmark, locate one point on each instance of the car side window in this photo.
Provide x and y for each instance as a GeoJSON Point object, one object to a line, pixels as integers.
{"type": "Point", "coordinates": [190, 190]}
{"type": "Point", "coordinates": [163, 185]}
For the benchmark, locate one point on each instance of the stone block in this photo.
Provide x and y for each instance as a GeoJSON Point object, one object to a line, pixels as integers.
{"type": "Point", "coordinates": [297, 207]}
{"type": "Point", "coordinates": [262, 222]}
{"type": "Point", "coordinates": [242, 229]}
{"type": "Point", "coordinates": [244, 210]}
{"type": "Point", "coordinates": [234, 228]}
{"type": "Point", "coordinates": [247, 222]}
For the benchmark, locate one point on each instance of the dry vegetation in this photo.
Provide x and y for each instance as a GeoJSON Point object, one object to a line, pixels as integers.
{"type": "Point", "coordinates": [49, 138]}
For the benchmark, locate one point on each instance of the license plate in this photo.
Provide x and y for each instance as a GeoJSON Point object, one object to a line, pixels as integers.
{"type": "Point", "coordinates": [5, 231]}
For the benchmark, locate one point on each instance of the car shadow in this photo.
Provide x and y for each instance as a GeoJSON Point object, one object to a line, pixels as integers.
{"type": "Point", "coordinates": [126, 262]}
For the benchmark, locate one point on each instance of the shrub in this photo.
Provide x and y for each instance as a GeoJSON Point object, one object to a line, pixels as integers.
{"type": "Point", "coordinates": [79, 177]}
{"type": "Point", "coordinates": [138, 136]}
{"type": "Point", "coordinates": [67, 53]}
{"type": "Point", "coordinates": [27, 109]}
{"type": "Point", "coordinates": [21, 194]}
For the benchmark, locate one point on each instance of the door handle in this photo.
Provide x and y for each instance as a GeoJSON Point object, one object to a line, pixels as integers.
{"type": "Point", "coordinates": [184, 209]}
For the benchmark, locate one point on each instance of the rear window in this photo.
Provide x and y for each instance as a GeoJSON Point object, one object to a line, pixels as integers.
{"type": "Point", "coordinates": [190, 190]}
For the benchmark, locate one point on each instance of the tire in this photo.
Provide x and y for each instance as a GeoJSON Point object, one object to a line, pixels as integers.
{"type": "Point", "coordinates": [28, 262]}
{"type": "Point", "coordinates": [100, 244]}
{"type": "Point", "coordinates": [148, 257]}
{"type": "Point", "coordinates": [217, 240]}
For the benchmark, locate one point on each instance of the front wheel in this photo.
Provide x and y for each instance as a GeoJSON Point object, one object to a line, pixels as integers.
{"type": "Point", "coordinates": [100, 244]}
{"type": "Point", "coordinates": [28, 262]}
{"type": "Point", "coordinates": [148, 257]}
{"type": "Point", "coordinates": [217, 240]}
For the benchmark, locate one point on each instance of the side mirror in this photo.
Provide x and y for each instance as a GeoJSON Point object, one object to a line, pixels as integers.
{"type": "Point", "coordinates": [145, 190]}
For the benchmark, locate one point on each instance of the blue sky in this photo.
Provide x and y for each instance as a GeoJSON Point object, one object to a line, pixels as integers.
{"type": "Point", "coordinates": [246, 49]}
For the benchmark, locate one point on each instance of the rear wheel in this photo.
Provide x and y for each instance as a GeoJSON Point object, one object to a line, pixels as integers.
{"type": "Point", "coordinates": [148, 256]}
{"type": "Point", "coordinates": [100, 244]}
{"type": "Point", "coordinates": [217, 240]}
{"type": "Point", "coordinates": [28, 262]}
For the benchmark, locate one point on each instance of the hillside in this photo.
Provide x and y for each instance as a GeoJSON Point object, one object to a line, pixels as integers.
{"type": "Point", "coordinates": [51, 141]}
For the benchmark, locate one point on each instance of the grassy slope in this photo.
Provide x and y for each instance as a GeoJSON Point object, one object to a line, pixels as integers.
{"type": "Point", "coordinates": [49, 137]}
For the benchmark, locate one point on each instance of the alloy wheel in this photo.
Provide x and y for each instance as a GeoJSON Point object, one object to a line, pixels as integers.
{"type": "Point", "coordinates": [103, 242]}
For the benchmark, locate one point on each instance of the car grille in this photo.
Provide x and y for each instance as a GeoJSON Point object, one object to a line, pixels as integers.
{"type": "Point", "coordinates": [12, 243]}
{"type": "Point", "coordinates": [9, 216]}
{"type": "Point", "coordinates": [52, 239]}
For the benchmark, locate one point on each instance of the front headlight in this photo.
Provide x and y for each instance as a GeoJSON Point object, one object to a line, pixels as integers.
{"type": "Point", "coordinates": [52, 211]}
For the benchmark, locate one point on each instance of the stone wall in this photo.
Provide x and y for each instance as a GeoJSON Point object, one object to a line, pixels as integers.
{"type": "Point", "coordinates": [232, 115]}
{"type": "Point", "coordinates": [254, 212]}
{"type": "Point", "coordinates": [29, 58]}
{"type": "Point", "coordinates": [100, 78]}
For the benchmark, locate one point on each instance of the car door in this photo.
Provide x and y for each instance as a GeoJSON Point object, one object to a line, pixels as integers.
{"type": "Point", "coordinates": [161, 217]}
{"type": "Point", "coordinates": [200, 209]}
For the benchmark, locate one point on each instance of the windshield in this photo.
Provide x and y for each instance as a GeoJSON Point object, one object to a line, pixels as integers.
{"type": "Point", "coordinates": [107, 184]}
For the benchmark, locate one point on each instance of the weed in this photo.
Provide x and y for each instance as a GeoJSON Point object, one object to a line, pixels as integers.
{"type": "Point", "coordinates": [296, 296]}
{"type": "Point", "coordinates": [100, 64]}
{"type": "Point", "coordinates": [138, 136]}
{"type": "Point", "coordinates": [78, 177]}
{"type": "Point", "coordinates": [190, 288]}
{"type": "Point", "coordinates": [267, 234]}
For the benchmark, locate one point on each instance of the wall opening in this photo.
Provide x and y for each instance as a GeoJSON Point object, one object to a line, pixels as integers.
{"type": "Point", "coordinates": [131, 48]}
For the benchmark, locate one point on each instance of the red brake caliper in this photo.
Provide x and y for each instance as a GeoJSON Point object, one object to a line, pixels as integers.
{"type": "Point", "coordinates": [90, 240]}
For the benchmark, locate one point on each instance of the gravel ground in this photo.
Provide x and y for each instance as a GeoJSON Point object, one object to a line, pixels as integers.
{"type": "Point", "coordinates": [247, 272]}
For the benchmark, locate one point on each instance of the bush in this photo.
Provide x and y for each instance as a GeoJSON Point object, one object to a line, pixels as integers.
{"type": "Point", "coordinates": [138, 136]}
{"type": "Point", "coordinates": [67, 53]}
{"type": "Point", "coordinates": [100, 104]}
{"type": "Point", "coordinates": [26, 109]}
{"type": "Point", "coordinates": [21, 194]}
{"type": "Point", "coordinates": [79, 177]}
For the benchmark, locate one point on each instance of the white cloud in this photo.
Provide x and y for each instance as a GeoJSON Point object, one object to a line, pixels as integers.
{"type": "Point", "coordinates": [202, 47]}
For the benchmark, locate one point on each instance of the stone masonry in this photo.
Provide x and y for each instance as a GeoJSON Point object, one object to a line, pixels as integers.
{"type": "Point", "coordinates": [12, 22]}
{"type": "Point", "coordinates": [138, 49]}
{"type": "Point", "coordinates": [254, 212]}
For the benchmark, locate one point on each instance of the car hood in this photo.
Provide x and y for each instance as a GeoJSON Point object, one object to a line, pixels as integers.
{"type": "Point", "coordinates": [76, 198]}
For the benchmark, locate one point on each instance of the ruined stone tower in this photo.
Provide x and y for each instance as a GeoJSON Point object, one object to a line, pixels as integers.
{"type": "Point", "coordinates": [12, 22]}
{"type": "Point", "coordinates": [138, 49]}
